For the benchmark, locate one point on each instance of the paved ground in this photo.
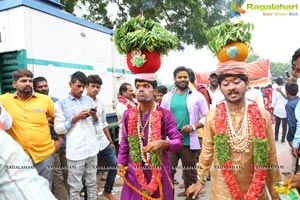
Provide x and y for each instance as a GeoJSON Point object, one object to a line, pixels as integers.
{"type": "Point", "coordinates": [284, 161]}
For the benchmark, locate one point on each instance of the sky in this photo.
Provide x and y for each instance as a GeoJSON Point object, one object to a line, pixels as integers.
{"type": "Point", "coordinates": [274, 37]}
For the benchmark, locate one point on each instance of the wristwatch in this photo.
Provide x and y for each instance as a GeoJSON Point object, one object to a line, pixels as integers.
{"type": "Point", "coordinates": [194, 127]}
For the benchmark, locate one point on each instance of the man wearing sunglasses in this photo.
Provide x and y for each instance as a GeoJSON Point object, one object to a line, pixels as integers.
{"type": "Point", "coordinates": [295, 72]}
{"type": "Point", "coordinates": [295, 68]}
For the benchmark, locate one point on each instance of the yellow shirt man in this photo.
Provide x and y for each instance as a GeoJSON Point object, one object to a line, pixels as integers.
{"type": "Point", "coordinates": [30, 126]}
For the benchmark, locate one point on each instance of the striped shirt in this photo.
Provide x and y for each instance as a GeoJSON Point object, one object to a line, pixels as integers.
{"type": "Point", "coordinates": [18, 178]}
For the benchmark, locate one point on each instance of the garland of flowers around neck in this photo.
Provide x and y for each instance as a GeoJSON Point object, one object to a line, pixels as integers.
{"type": "Point", "coordinates": [260, 152]}
{"type": "Point", "coordinates": [136, 145]}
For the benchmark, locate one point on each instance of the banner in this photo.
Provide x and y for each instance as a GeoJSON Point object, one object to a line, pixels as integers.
{"type": "Point", "coordinates": [258, 73]}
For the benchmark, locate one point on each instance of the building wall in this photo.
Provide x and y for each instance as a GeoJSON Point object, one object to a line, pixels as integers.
{"type": "Point", "coordinates": [56, 47]}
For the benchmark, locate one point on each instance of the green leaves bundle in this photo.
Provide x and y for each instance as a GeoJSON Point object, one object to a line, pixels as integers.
{"type": "Point", "coordinates": [144, 34]}
{"type": "Point", "coordinates": [221, 35]}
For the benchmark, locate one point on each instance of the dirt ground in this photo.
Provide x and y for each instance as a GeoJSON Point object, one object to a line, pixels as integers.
{"type": "Point", "coordinates": [283, 156]}
{"type": "Point", "coordinates": [100, 186]}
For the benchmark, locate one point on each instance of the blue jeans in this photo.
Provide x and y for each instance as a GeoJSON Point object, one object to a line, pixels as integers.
{"type": "Point", "coordinates": [109, 154]}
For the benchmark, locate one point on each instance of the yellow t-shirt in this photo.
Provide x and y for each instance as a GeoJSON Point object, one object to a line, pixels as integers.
{"type": "Point", "coordinates": [30, 126]}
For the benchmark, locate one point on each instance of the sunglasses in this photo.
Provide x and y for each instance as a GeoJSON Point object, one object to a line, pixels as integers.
{"type": "Point", "coordinates": [295, 68]}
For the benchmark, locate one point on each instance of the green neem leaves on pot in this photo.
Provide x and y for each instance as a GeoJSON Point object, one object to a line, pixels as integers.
{"type": "Point", "coordinates": [221, 35]}
{"type": "Point", "coordinates": [144, 34]}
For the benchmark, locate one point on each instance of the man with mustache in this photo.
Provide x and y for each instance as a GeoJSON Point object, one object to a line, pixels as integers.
{"type": "Point", "coordinates": [238, 142]}
{"type": "Point", "coordinates": [125, 102]}
{"type": "Point", "coordinates": [60, 186]}
{"type": "Point", "coordinates": [40, 85]}
{"type": "Point", "coordinates": [295, 69]}
{"type": "Point", "coordinates": [187, 106]}
{"type": "Point", "coordinates": [148, 134]}
{"type": "Point", "coordinates": [214, 90]}
{"type": "Point", "coordinates": [29, 111]}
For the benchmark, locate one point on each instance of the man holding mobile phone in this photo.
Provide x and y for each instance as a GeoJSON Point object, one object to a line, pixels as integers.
{"type": "Point", "coordinates": [287, 74]}
{"type": "Point", "coordinates": [74, 118]}
{"type": "Point", "coordinates": [295, 72]}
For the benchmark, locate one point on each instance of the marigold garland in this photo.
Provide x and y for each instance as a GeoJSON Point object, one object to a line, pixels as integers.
{"type": "Point", "coordinates": [135, 151]}
{"type": "Point", "coordinates": [260, 153]}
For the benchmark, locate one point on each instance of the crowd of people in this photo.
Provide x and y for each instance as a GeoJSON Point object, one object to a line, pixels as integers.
{"type": "Point", "coordinates": [221, 132]}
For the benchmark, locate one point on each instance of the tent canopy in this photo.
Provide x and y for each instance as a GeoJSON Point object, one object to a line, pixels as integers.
{"type": "Point", "coordinates": [258, 73]}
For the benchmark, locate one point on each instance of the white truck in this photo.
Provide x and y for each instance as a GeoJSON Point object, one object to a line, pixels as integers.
{"type": "Point", "coordinates": [40, 36]}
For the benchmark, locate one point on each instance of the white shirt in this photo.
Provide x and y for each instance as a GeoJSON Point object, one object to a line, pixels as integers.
{"type": "Point", "coordinates": [216, 97]}
{"type": "Point", "coordinates": [81, 137]}
{"type": "Point", "coordinates": [279, 102]}
{"type": "Point", "coordinates": [256, 95]}
{"type": "Point", "coordinates": [120, 109]}
{"type": "Point", "coordinates": [102, 123]}
{"type": "Point", "coordinates": [5, 118]}
{"type": "Point", "coordinates": [298, 83]}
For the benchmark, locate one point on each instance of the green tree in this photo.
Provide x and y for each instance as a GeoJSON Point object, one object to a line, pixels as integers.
{"type": "Point", "coordinates": [252, 58]}
{"type": "Point", "coordinates": [159, 82]}
{"type": "Point", "coordinates": [69, 5]}
{"type": "Point", "coordinates": [277, 69]}
{"type": "Point", "coordinates": [189, 19]}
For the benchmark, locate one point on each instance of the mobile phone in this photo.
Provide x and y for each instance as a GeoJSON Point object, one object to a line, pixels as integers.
{"type": "Point", "coordinates": [287, 73]}
{"type": "Point", "coordinates": [93, 109]}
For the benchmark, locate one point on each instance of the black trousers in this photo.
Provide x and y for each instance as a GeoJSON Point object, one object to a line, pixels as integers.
{"type": "Point", "coordinates": [188, 160]}
{"type": "Point", "coordinates": [278, 121]}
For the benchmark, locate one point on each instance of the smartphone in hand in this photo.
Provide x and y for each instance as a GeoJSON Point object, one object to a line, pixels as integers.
{"type": "Point", "coordinates": [287, 74]}
{"type": "Point", "coordinates": [93, 109]}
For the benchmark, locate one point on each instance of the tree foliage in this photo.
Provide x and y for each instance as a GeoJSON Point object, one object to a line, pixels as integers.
{"type": "Point", "coordinates": [69, 5]}
{"type": "Point", "coordinates": [277, 69]}
{"type": "Point", "coordinates": [189, 19]}
{"type": "Point", "coordinates": [252, 58]}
